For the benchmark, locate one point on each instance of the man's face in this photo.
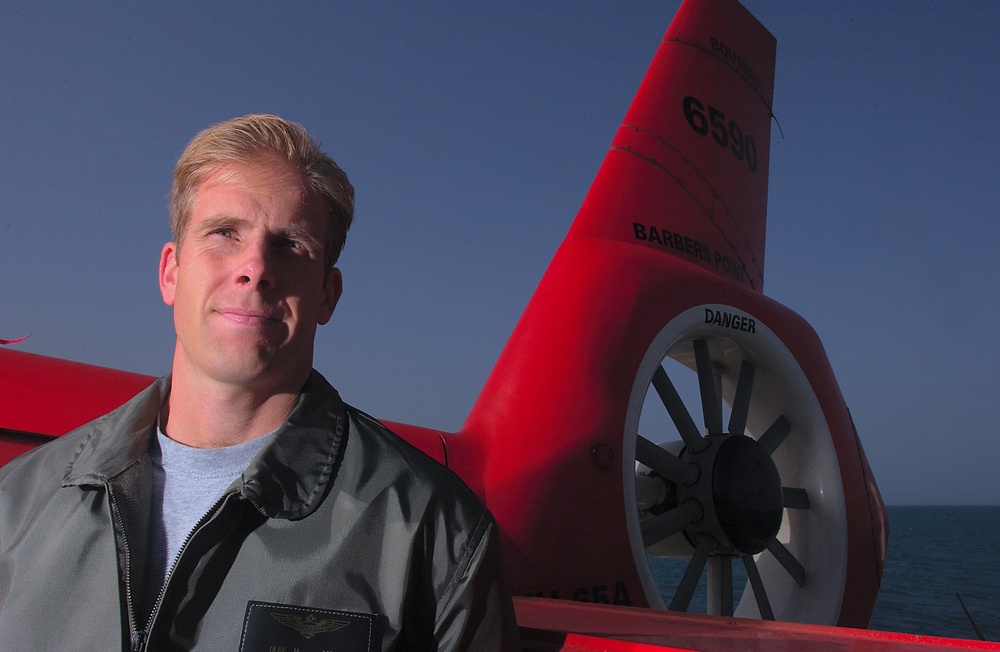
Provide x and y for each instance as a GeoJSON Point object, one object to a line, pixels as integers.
{"type": "Point", "coordinates": [249, 285]}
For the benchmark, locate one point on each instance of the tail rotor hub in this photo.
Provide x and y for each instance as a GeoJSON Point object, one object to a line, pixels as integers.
{"type": "Point", "coordinates": [739, 493]}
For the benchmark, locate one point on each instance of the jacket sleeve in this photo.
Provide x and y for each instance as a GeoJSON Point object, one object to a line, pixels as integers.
{"type": "Point", "coordinates": [477, 613]}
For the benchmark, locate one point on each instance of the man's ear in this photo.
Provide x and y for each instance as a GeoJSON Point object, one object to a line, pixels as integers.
{"type": "Point", "coordinates": [168, 273]}
{"type": "Point", "coordinates": [332, 289]}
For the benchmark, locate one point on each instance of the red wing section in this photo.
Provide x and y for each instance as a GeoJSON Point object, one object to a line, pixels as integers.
{"type": "Point", "coordinates": [43, 397]}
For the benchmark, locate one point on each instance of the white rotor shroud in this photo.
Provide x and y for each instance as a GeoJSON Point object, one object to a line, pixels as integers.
{"type": "Point", "coordinates": [705, 501]}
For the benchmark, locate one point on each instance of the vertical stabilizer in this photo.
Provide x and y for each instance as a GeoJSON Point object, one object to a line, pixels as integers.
{"type": "Point", "coordinates": [688, 169]}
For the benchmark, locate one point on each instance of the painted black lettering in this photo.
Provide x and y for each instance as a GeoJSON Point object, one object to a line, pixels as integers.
{"type": "Point", "coordinates": [736, 322]}
{"type": "Point", "coordinates": [694, 113]}
{"type": "Point", "coordinates": [668, 238]}
{"type": "Point", "coordinates": [737, 61]}
{"type": "Point", "coordinates": [728, 135]}
{"type": "Point", "coordinates": [676, 241]}
{"type": "Point", "coordinates": [621, 594]}
{"type": "Point", "coordinates": [734, 269]}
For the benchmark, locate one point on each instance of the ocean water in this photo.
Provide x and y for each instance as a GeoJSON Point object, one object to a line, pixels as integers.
{"type": "Point", "coordinates": [934, 553]}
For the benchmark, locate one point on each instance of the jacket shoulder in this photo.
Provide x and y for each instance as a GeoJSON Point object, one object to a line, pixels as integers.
{"type": "Point", "coordinates": [70, 457]}
{"type": "Point", "coordinates": [49, 460]}
{"type": "Point", "coordinates": [380, 443]}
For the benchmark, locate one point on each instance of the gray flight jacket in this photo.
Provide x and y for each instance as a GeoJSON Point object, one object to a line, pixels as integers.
{"type": "Point", "coordinates": [338, 536]}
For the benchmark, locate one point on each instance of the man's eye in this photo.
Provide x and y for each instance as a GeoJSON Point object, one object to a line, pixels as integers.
{"type": "Point", "coordinates": [225, 233]}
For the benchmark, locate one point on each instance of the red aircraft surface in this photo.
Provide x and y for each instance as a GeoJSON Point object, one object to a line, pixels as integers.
{"type": "Point", "coordinates": [660, 276]}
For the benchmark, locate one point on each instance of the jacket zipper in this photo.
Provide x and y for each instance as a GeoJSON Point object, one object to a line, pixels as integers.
{"type": "Point", "coordinates": [136, 636]}
{"type": "Point", "coordinates": [139, 637]}
{"type": "Point", "coordinates": [138, 641]}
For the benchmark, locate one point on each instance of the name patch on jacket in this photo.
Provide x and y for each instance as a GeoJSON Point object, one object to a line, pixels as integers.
{"type": "Point", "coordinates": [287, 628]}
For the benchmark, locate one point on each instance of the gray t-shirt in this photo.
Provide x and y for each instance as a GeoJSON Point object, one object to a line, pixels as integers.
{"type": "Point", "coordinates": [187, 482]}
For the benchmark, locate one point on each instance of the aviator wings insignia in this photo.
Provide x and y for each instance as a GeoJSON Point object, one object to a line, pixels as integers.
{"type": "Point", "coordinates": [310, 625]}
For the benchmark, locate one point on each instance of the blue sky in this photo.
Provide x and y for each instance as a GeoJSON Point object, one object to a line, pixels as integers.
{"type": "Point", "coordinates": [472, 134]}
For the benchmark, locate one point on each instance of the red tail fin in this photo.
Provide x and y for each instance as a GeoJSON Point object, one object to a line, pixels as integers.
{"type": "Point", "coordinates": [667, 250]}
{"type": "Point", "coordinates": [687, 172]}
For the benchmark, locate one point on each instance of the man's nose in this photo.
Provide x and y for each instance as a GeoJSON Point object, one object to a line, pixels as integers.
{"type": "Point", "coordinates": [256, 265]}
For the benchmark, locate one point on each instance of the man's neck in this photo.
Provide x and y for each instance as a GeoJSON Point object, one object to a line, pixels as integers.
{"type": "Point", "coordinates": [207, 414]}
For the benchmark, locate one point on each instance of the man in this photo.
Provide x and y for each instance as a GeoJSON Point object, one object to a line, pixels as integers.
{"type": "Point", "coordinates": [238, 504]}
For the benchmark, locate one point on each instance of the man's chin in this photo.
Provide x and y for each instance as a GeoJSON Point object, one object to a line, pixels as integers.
{"type": "Point", "coordinates": [270, 372]}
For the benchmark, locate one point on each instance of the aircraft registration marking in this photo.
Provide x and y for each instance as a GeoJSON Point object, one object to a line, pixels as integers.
{"type": "Point", "coordinates": [729, 136]}
{"type": "Point", "coordinates": [601, 593]}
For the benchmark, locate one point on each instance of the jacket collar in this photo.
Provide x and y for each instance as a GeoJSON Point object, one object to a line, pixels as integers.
{"type": "Point", "coordinates": [288, 479]}
{"type": "Point", "coordinates": [292, 474]}
{"type": "Point", "coordinates": [117, 441]}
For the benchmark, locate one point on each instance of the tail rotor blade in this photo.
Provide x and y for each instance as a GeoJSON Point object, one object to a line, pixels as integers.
{"type": "Point", "coordinates": [794, 498]}
{"type": "Point", "coordinates": [788, 561]}
{"type": "Point", "coordinates": [711, 402]}
{"type": "Point", "coordinates": [741, 402]}
{"type": "Point", "coordinates": [689, 583]}
{"type": "Point", "coordinates": [720, 585]}
{"type": "Point", "coordinates": [676, 409]}
{"type": "Point", "coordinates": [759, 594]}
{"type": "Point", "coordinates": [776, 434]}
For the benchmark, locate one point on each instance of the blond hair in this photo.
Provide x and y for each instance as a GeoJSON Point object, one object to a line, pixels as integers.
{"type": "Point", "coordinates": [248, 138]}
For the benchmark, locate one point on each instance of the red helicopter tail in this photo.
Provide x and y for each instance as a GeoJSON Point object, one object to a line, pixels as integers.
{"type": "Point", "coordinates": [660, 276]}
